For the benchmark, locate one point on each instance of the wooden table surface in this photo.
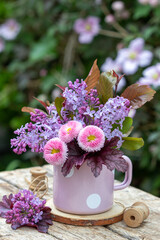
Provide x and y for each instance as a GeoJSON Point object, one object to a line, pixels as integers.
{"type": "Point", "coordinates": [11, 181]}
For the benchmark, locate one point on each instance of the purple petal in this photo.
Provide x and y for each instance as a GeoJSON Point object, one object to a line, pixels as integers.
{"type": "Point", "coordinates": [137, 44]}
{"type": "Point", "coordinates": [85, 38]}
{"type": "Point", "coordinates": [130, 67]}
{"type": "Point", "coordinates": [79, 26]}
{"type": "Point", "coordinates": [145, 58]}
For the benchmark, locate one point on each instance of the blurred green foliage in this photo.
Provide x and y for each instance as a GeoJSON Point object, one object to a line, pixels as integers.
{"type": "Point", "coordinates": [46, 52]}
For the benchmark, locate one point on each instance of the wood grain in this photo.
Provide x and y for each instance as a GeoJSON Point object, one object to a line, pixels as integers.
{"type": "Point", "coordinates": [111, 216]}
{"type": "Point", "coordinates": [11, 181]}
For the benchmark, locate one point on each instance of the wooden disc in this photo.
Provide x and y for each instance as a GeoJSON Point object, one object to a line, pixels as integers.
{"type": "Point", "coordinates": [115, 214]}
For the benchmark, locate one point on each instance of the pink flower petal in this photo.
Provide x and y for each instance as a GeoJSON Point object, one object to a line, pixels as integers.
{"type": "Point", "coordinates": [91, 138]}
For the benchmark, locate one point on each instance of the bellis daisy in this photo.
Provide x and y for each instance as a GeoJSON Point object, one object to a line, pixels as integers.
{"type": "Point", "coordinates": [91, 138]}
{"type": "Point", "coordinates": [69, 131]}
{"type": "Point", "coordinates": [55, 151]}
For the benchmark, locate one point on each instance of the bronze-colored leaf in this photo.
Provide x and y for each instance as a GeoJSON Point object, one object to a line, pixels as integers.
{"type": "Point", "coordinates": [104, 87]}
{"type": "Point", "coordinates": [40, 101]}
{"type": "Point", "coordinates": [28, 109]}
{"type": "Point", "coordinates": [138, 94]}
{"type": "Point", "coordinates": [93, 76]}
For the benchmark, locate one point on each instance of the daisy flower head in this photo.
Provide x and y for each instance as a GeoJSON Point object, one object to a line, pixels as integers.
{"type": "Point", "coordinates": [69, 131]}
{"type": "Point", "coordinates": [91, 138]}
{"type": "Point", "coordinates": [55, 151]}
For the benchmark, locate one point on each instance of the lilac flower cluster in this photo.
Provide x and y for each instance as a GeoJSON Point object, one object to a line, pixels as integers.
{"type": "Point", "coordinates": [35, 135]}
{"type": "Point", "coordinates": [80, 105]}
{"type": "Point", "coordinates": [27, 209]}
{"type": "Point", "coordinates": [112, 116]}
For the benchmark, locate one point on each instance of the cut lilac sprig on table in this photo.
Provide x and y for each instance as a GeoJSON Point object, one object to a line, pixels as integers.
{"type": "Point", "coordinates": [26, 209]}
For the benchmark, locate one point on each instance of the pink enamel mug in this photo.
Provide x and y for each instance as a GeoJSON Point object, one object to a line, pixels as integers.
{"type": "Point", "coordinates": [82, 193]}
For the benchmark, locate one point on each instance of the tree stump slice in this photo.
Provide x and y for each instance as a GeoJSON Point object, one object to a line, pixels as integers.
{"type": "Point", "coordinates": [115, 214]}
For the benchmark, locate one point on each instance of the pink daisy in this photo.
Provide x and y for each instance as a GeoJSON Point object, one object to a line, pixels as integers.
{"type": "Point", "coordinates": [55, 151]}
{"type": "Point", "coordinates": [69, 131]}
{"type": "Point", "coordinates": [91, 138]}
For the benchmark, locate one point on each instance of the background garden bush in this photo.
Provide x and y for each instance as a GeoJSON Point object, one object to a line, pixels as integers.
{"type": "Point", "coordinates": [46, 51]}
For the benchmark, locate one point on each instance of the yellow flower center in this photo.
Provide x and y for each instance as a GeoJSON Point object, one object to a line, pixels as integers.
{"type": "Point", "coordinates": [88, 27]}
{"type": "Point", "coordinates": [132, 55]}
{"type": "Point", "coordinates": [155, 76]}
{"type": "Point", "coordinates": [68, 130]}
{"type": "Point", "coordinates": [55, 151]}
{"type": "Point", "coordinates": [91, 138]}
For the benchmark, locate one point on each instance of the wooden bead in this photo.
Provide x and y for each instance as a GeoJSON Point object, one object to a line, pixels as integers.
{"type": "Point", "coordinates": [136, 214]}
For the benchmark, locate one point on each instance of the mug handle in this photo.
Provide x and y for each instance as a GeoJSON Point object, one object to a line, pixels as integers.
{"type": "Point", "coordinates": [128, 176]}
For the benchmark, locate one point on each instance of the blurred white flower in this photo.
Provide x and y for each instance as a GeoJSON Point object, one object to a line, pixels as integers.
{"type": "Point", "coordinates": [118, 6]}
{"type": "Point", "coordinates": [109, 18]}
{"type": "Point", "coordinates": [10, 29]}
{"type": "Point", "coordinates": [134, 56]}
{"type": "Point", "coordinates": [153, 3]}
{"type": "Point", "coordinates": [151, 76]}
{"type": "Point", "coordinates": [56, 93]}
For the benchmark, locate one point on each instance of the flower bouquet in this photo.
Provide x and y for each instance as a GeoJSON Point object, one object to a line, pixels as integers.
{"type": "Point", "coordinates": [85, 127]}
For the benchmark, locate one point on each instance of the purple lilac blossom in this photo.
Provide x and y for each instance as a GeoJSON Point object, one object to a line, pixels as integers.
{"type": "Point", "coordinates": [78, 105]}
{"type": "Point", "coordinates": [35, 135]}
{"type": "Point", "coordinates": [110, 65]}
{"type": "Point", "coordinates": [10, 29]}
{"type": "Point", "coordinates": [134, 56]}
{"type": "Point", "coordinates": [113, 112]}
{"type": "Point", "coordinates": [87, 28]}
{"type": "Point", "coordinates": [151, 76]}
{"type": "Point", "coordinates": [27, 209]}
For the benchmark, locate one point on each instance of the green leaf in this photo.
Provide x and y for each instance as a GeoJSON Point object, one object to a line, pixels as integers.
{"type": "Point", "coordinates": [44, 49]}
{"type": "Point", "coordinates": [149, 32]}
{"type": "Point", "coordinates": [59, 103]}
{"type": "Point", "coordinates": [142, 11]}
{"type": "Point", "coordinates": [132, 143]}
{"type": "Point", "coordinates": [127, 124]}
{"type": "Point", "coordinates": [105, 86]}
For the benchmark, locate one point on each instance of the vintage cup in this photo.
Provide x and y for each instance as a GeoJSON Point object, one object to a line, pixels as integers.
{"type": "Point", "coordinates": [82, 193]}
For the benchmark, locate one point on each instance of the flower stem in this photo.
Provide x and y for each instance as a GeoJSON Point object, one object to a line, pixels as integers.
{"type": "Point", "coordinates": [115, 24]}
{"type": "Point", "coordinates": [110, 33]}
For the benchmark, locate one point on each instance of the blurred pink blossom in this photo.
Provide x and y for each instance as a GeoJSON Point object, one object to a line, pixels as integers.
{"type": "Point", "coordinates": [151, 76]}
{"type": "Point", "coordinates": [125, 14]}
{"type": "Point", "coordinates": [43, 72]}
{"type": "Point", "coordinates": [144, 2]}
{"type": "Point", "coordinates": [134, 56]}
{"type": "Point", "coordinates": [110, 65]}
{"type": "Point", "coordinates": [10, 29]}
{"type": "Point", "coordinates": [153, 3]}
{"type": "Point", "coordinates": [109, 18]}
{"type": "Point", "coordinates": [87, 28]}
{"type": "Point", "coordinates": [2, 45]}
{"type": "Point", "coordinates": [56, 93]}
{"type": "Point", "coordinates": [118, 6]}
